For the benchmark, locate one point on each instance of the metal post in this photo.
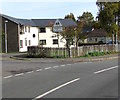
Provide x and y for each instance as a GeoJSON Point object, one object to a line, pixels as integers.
{"type": "Point", "coordinates": [6, 36]}
{"type": "Point", "coordinates": [58, 39]}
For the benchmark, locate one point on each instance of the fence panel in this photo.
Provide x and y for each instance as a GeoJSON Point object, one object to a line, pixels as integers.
{"type": "Point", "coordinates": [62, 52]}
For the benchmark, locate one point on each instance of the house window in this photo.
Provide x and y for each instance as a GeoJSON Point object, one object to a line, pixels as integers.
{"type": "Point", "coordinates": [25, 28]}
{"type": "Point", "coordinates": [42, 42]}
{"type": "Point", "coordinates": [42, 30]}
{"type": "Point", "coordinates": [21, 43]}
{"type": "Point", "coordinates": [25, 42]}
{"type": "Point", "coordinates": [95, 39]}
{"type": "Point", "coordinates": [21, 30]}
{"type": "Point", "coordinates": [55, 41]}
{"type": "Point", "coordinates": [90, 39]}
{"type": "Point", "coordinates": [57, 23]}
{"type": "Point", "coordinates": [29, 29]}
{"type": "Point", "coordinates": [29, 42]}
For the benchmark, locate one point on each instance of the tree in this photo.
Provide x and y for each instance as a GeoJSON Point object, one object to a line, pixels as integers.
{"type": "Point", "coordinates": [108, 16]}
{"type": "Point", "coordinates": [86, 18]}
{"type": "Point", "coordinates": [70, 16]}
{"type": "Point", "coordinates": [68, 34]}
{"type": "Point", "coordinates": [79, 34]}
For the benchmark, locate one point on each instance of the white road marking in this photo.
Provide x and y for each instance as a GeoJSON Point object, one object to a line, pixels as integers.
{"type": "Point", "coordinates": [62, 65]}
{"type": "Point", "coordinates": [29, 72]}
{"type": "Point", "coordinates": [68, 64]}
{"type": "Point", "coordinates": [8, 76]}
{"type": "Point", "coordinates": [44, 94]}
{"type": "Point", "coordinates": [38, 70]}
{"type": "Point", "coordinates": [19, 74]}
{"type": "Point", "coordinates": [85, 62]}
{"type": "Point", "coordinates": [55, 66]}
{"type": "Point", "coordinates": [75, 63]}
{"type": "Point", "coordinates": [48, 68]}
{"type": "Point", "coordinates": [100, 71]}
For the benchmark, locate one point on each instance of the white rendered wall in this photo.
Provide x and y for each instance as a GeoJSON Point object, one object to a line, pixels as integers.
{"type": "Point", "coordinates": [48, 36]}
{"type": "Point", "coordinates": [29, 36]}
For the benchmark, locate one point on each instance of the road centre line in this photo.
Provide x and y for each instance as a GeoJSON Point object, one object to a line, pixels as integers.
{"type": "Point", "coordinates": [100, 71]}
{"type": "Point", "coordinates": [30, 72]}
{"type": "Point", "coordinates": [62, 65]}
{"type": "Point", "coordinates": [50, 91]}
{"type": "Point", "coordinates": [48, 68]}
{"type": "Point", "coordinates": [69, 64]}
{"type": "Point", "coordinates": [33, 71]}
{"type": "Point", "coordinates": [8, 76]}
{"type": "Point", "coordinates": [55, 66]}
{"type": "Point", "coordinates": [39, 70]}
{"type": "Point", "coordinates": [19, 74]}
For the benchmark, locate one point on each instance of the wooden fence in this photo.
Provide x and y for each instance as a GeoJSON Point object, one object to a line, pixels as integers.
{"type": "Point", "coordinates": [62, 52]}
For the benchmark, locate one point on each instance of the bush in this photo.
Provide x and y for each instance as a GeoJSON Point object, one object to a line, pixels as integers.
{"type": "Point", "coordinates": [93, 54]}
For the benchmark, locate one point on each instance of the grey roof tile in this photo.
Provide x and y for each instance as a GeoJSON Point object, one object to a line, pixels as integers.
{"type": "Point", "coordinates": [40, 22]}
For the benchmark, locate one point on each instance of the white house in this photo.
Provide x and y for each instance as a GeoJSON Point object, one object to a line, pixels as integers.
{"type": "Point", "coordinates": [97, 36]}
{"type": "Point", "coordinates": [35, 32]}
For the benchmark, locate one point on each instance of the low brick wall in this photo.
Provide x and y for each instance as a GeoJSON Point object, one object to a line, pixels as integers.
{"type": "Point", "coordinates": [62, 52]}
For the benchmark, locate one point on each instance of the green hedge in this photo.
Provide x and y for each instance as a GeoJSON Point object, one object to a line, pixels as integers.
{"type": "Point", "coordinates": [93, 54]}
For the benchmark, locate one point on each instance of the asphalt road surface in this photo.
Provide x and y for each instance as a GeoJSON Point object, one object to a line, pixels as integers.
{"type": "Point", "coordinates": [63, 80]}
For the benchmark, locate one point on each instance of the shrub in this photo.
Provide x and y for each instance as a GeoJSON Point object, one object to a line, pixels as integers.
{"type": "Point", "coordinates": [93, 54]}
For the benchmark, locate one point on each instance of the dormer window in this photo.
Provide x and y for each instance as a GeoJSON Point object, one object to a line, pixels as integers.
{"type": "Point", "coordinates": [57, 23]}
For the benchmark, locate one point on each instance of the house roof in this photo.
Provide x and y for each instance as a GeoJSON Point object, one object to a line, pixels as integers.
{"type": "Point", "coordinates": [40, 22]}
{"type": "Point", "coordinates": [97, 33]}
{"type": "Point", "coordinates": [48, 22]}
{"type": "Point", "coordinates": [86, 29]}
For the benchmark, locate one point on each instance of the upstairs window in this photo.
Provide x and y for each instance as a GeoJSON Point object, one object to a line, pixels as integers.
{"type": "Point", "coordinates": [29, 29]}
{"type": "Point", "coordinates": [55, 41]}
{"type": "Point", "coordinates": [42, 30]}
{"type": "Point", "coordinates": [25, 28]}
{"type": "Point", "coordinates": [21, 29]}
{"type": "Point", "coordinates": [57, 23]}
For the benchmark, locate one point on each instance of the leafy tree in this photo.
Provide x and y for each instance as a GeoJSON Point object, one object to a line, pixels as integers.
{"type": "Point", "coordinates": [108, 16]}
{"type": "Point", "coordinates": [70, 16]}
{"type": "Point", "coordinates": [78, 33]}
{"type": "Point", "coordinates": [96, 25]}
{"type": "Point", "coordinates": [68, 34]}
{"type": "Point", "coordinates": [86, 18]}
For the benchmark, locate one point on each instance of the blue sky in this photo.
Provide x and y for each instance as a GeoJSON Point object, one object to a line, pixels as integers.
{"type": "Point", "coordinates": [47, 9]}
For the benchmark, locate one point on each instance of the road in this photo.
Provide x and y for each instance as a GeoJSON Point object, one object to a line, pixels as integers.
{"type": "Point", "coordinates": [62, 80]}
